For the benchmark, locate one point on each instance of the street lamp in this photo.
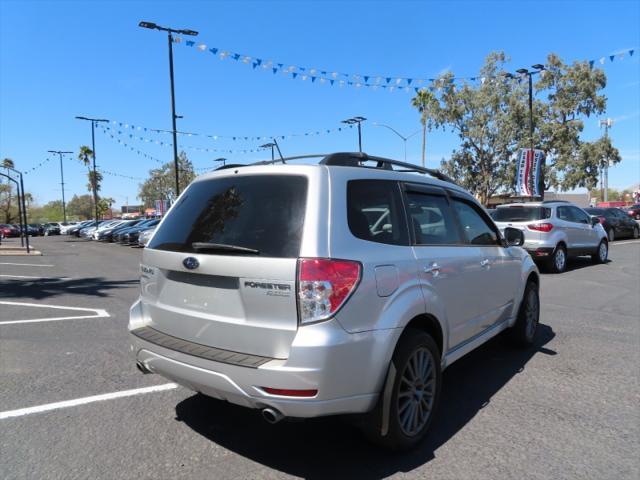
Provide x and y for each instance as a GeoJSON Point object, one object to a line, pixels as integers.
{"type": "Point", "coordinates": [352, 121]}
{"type": "Point", "coordinates": [170, 31]}
{"type": "Point", "coordinates": [93, 149]}
{"type": "Point", "coordinates": [523, 71]}
{"type": "Point", "coordinates": [64, 207]}
{"type": "Point", "coordinates": [404, 139]}
{"type": "Point", "coordinates": [23, 218]}
{"type": "Point", "coordinates": [221, 159]}
{"type": "Point", "coordinates": [270, 145]}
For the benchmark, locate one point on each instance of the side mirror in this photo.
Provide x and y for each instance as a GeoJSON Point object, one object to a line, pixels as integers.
{"type": "Point", "coordinates": [513, 237]}
{"type": "Point", "coordinates": [594, 221]}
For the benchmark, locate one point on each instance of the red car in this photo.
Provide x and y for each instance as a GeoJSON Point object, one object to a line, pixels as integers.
{"type": "Point", "coordinates": [634, 211]}
{"type": "Point", "coordinates": [9, 230]}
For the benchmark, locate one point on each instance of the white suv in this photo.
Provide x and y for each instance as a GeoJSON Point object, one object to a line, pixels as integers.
{"type": "Point", "coordinates": [342, 287]}
{"type": "Point", "coordinates": [554, 231]}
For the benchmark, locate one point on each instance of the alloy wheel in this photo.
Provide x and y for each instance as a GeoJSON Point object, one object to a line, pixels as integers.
{"type": "Point", "coordinates": [603, 250]}
{"type": "Point", "coordinates": [560, 259]}
{"type": "Point", "coordinates": [416, 392]}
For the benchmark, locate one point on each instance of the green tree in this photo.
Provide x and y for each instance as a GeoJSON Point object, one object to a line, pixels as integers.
{"type": "Point", "coordinates": [86, 156]}
{"type": "Point", "coordinates": [81, 206]}
{"type": "Point", "coordinates": [488, 119]}
{"type": "Point", "coordinates": [161, 182]}
{"type": "Point", "coordinates": [104, 205]}
{"type": "Point", "coordinates": [7, 208]}
{"type": "Point", "coordinates": [429, 109]}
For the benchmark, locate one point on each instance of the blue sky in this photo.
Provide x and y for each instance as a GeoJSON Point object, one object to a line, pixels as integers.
{"type": "Point", "coordinates": [62, 59]}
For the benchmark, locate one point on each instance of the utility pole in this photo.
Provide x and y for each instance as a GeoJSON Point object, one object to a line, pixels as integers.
{"type": "Point", "coordinates": [604, 177]}
{"type": "Point", "coordinates": [93, 149]}
{"type": "Point", "coordinates": [170, 31]}
{"type": "Point", "coordinates": [64, 206]}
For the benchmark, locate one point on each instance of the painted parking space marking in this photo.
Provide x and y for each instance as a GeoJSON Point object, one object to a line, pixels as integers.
{"type": "Point", "coordinates": [29, 277]}
{"type": "Point", "coordinates": [84, 400]}
{"type": "Point", "coordinates": [627, 242]}
{"type": "Point", "coordinates": [89, 313]}
{"type": "Point", "coordinates": [27, 264]}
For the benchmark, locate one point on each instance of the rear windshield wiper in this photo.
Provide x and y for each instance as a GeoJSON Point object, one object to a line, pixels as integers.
{"type": "Point", "coordinates": [223, 247]}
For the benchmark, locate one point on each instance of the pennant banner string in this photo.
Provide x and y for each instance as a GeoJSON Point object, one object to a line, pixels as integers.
{"type": "Point", "coordinates": [341, 79]}
{"type": "Point", "coordinates": [139, 128]}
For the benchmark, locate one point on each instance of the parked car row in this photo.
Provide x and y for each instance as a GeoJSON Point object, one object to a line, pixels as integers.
{"type": "Point", "coordinates": [125, 232]}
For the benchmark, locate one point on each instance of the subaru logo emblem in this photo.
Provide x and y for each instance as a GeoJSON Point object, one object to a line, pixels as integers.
{"type": "Point", "coordinates": [191, 263]}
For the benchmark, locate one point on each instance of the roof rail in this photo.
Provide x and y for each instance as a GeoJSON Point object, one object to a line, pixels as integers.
{"type": "Point", "coordinates": [356, 159]}
{"type": "Point", "coordinates": [556, 201]}
{"type": "Point", "coordinates": [352, 159]}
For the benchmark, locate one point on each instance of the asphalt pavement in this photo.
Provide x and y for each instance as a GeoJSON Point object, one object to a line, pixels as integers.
{"type": "Point", "coordinates": [567, 408]}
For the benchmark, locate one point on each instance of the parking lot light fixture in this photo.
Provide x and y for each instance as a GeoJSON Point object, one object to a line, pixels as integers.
{"type": "Point", "coordinates": [356, 120]}
{"type": "Point", "coordinates": [221, 159]}
{"type": "Point", "coordinates": [270, 145]}
{"type": "Point", "coordinates": [404, 139]}
{"type": "Point", "coordinates": [174, 117]}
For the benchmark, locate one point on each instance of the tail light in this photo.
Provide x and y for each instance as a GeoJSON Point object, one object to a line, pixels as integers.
{"type": "Point", "coordinates": [540, 227]}
{"type": "Point", "coordinates": [324, 285]}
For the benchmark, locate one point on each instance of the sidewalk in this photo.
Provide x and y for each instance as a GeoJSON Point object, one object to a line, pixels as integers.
{"type": "Point", "coordinates": [12, 247]}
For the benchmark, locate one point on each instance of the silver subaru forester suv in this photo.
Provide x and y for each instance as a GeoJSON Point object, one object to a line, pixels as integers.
{"type": "Point", "coordinates": [340, 287]}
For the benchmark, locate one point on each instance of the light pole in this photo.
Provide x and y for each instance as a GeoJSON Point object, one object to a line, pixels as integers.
{"type": "Point", "coordinates": [523, 71]}
{"type": "Point", "coordinates": [270, 145]}
{"type": "Point", "coordinates": [604, 182]}
{"type": "Point", "coordinates": [23, 218]}
{"type": "Point", "coordinates": [170, 31]}
{"type": "Point", "coordinates": [404, 139]}
{"type": "Point", "coordinates": [93, 150]}
{"type": "Point", "coordinates": [64, 207]}
{"type": "Point", "coordinates": [352, 121]}
{"type": "Point", "coordinates": [221, 159]}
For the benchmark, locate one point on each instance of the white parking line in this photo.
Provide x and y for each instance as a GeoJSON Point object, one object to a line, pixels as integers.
{"type": "Point", "coordinates": [26, 264]}
{"type": "Point", "coordinates": [96, 313]}
{"type": "Point", "coordinates": [36, 278]}
{"type": "Point", "coordinates": [84, 400]}
{"type": "Point", "coordinates": [627, 242]}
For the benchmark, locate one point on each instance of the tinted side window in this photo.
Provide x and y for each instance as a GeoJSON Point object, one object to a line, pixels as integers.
{"type": "Point", "coordinates": [565, 214]}
{"type": "Point", "coordinates": [579, 216]}
{"type": "Point", "coordinates": [475, 229]}
{"type": "Point", "coordinates": [374, 211]}
{"type": "Point", "coordinates": [431, 220]}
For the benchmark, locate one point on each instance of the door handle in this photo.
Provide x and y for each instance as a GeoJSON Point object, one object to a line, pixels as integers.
{"type": "Point", "coordinates": [433, 269]}
{"type": "Point", "coordinates": [485, 263]}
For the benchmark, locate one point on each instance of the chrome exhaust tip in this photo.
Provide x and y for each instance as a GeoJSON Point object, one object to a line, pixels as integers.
{"type": "Point", "coordinates": [271, 415]}
{"type": "Point", "coordinates": [144, 370]}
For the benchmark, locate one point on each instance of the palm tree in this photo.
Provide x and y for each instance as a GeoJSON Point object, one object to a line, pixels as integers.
{"type": "Point", "coordinates": [86, 157]}
{"type": "Point", "coordinates": [8, 163]}
{"type": "Point", "coordinates": [427, 105]}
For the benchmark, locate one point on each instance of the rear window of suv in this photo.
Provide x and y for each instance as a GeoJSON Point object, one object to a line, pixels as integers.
{"type": "Point", "coordinates": [259, 212]}
{"type": "Point", "coordinates": [521, 214]}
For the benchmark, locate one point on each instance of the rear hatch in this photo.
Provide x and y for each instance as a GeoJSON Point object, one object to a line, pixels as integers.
{"type": "Point", "coordinates": [221, 269]}
{"type": "Point", "coordinates": [520, 217]}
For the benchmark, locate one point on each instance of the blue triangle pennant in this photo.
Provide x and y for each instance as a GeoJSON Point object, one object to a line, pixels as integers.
{"type": "Point", "coordinates": [190, 43]}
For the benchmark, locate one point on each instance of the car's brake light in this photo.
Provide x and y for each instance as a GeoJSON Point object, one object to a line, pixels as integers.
{"type": "Point", "coordinates": [540, 227]}
{"type": "Point", "coordinates": [324, 285]}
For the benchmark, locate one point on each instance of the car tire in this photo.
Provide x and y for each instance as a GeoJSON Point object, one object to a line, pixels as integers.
{"type": "Point", "coordinates": [602, 253]}
{"type": "Point", "coordinates": [611, 234]}
{"type": "Point", "coordinates": [523, 331]}
{"type": "Point", "coordinates": [636, 232]}
{"type": "Point", "coordinates": [558, 261]}
{"type": "Point", "coordinates": [410, 391]}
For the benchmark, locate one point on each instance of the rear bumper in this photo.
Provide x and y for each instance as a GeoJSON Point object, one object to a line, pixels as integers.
{"type": "Point", "coordinates": [346, 369]}
{"type": "Point", "coordinates": [540, 253]}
